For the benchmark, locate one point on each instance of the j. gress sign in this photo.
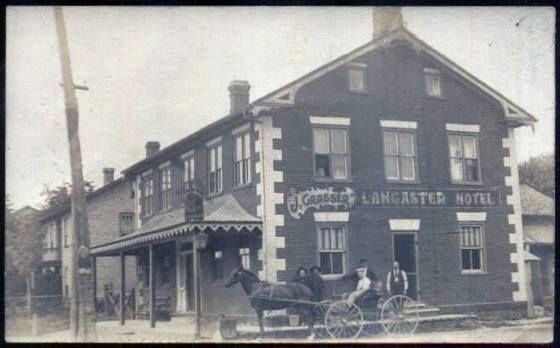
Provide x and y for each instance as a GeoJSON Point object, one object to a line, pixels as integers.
{"type": "Point", "coordinates": [344, 198]}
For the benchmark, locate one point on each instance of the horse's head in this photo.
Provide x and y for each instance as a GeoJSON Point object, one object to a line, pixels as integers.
{"type": "Point", "coordinates": [235, 276]}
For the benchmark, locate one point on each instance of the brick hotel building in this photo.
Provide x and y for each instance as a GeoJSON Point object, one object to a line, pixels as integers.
{"type": "Point", "coordinates": [389, 152]}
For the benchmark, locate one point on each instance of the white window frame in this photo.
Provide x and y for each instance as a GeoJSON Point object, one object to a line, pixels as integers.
{"type": "Point", "coordinates": [320, 250]}
{"type": "Point", "coordinates": [463, 165]}
{"type": "Point", "coordinates": [399, 156]}
{"type": "Point", "coordinates": [331, 154]}
{"type": "Point", "coordinates": [361, 68]}
{"type": "Point", "coordinates": [215, 148]}
{"type": "Point", "coordinates": [431, 75]}
{"type": "Point", "coordinates": [482, 248]}
{"type": "Point", "coordinates": [188, 171]}
{"type": "Point", "coordinates": [245, 257]}
{"type": "Point", "coordinates": [147, 195]}
{"type": "Point", "coordinates": [242, 166]}
{"type": "Point", "coordinates": [165, 187]}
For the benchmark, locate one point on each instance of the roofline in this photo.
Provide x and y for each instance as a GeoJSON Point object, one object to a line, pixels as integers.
{"type": "Point", "coordinates": [403, 33]}
{"type": "Point", "coordinates": [140, 165]}
{"type": "Point", "coordinates": [89, 195]}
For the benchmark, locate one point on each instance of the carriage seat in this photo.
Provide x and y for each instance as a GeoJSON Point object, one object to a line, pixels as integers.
{"type": "Point", "coordinates": [370, 298]}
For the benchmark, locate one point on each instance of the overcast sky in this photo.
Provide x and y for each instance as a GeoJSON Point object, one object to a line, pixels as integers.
{"type": "Point", "coordinates": [161, 73]}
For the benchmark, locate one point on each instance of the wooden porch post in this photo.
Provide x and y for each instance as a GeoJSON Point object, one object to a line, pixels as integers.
{"type": "Point", "coordinates": [152, 288]}
{"type": "Point", "coordinates": [196, 289]}
{"type": "Point", "coordinates": [94, 276]}
{"type": "Point", "coordinates": [123, 287]}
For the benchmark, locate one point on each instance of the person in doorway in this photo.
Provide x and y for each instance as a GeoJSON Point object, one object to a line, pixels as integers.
{"type": "Point", "coordinates": [397, 282]}
{"type": "Point", "coordinates": [363, 285]}
{"type": "Point", "coordinates": [316, 283]}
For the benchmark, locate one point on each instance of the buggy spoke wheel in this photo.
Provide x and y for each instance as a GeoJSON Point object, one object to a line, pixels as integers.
{"type": "Point", "coordinates": [399, 315]}
{"type": "Point", "coordinates": [343, 320]}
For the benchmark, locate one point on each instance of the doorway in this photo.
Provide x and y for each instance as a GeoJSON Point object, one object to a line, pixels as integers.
{"type": "Point", "coordinates": [186, 286]}
{"type": "Point", "coordinates": [405, 251]}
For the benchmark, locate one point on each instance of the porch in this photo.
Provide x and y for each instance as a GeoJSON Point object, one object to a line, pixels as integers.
{"type": "Point", "coordinates": [181, 266]}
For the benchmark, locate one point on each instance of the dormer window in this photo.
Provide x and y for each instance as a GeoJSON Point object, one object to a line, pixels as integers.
{"type": "Point", "coordinates": [357, 81]}
{"type": "Point", "coordinates": [433, 82]}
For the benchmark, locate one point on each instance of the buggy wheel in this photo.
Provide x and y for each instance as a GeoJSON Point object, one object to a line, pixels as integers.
{"type": "Point", "coordinates": [320, 312]}
{"type": "Point", "coordinates": [399, 315]}
{"type": "Point", "coordinates": [372, 322]}
{"type": "Point", "coordinates": [343, 320]}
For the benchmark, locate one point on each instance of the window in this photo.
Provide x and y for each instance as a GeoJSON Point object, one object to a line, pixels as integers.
{"type": "Point", "coordinates": [147, 195]}
{"type": "Point", "coordinates": [433, 82]}
{"type": "Point", "coordinates": [471, 248]}
{"type": "Point", "coordinates": [332, 249]}
{"type": "Point", "coordinates": [463, 157]}
{"type": "Point", "coordinates": [215, 172]}
{"type": "Point", "coordinates": [126, 223]}
{"type": "Point", "coordinates": [357, 78]}
{"type": "Point", "coordinates": [245, 256]}
{"type": "Point", "coordinates": [331, 152]}
{"type": "Point", "coordinates": [66, 281]}
{"type": "Point", "coordinates": [400, 155]}
{"type": "Point", "coordinates": [218, 265]}
{"type": "Point", "coordinates": [165, 188]}
{"type": "Point", "coordinates": [188, 173]}
{"type": "Point", "coordinates": [242, 166]}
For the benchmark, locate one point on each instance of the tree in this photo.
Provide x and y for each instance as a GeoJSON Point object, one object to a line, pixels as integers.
{"type": "Point", "coordinates": [538, 172]}
{"type": "Point", "coordinates": [60, 196]}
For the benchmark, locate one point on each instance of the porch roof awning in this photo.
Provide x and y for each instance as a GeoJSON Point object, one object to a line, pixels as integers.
{"type": "Point", "coordinates": [222, 212]}
{"type": "Point", "coordinates": [542, 233]}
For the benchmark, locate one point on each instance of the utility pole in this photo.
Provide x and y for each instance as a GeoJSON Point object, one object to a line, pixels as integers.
{"type": "Point", "coordinates": [82, 303]}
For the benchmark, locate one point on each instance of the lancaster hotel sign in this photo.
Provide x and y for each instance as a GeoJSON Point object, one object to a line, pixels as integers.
{"type": "Point", "coordinates": [345, 198]}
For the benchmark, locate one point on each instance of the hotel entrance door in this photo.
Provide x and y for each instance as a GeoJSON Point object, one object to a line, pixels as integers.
{"type": "Point", "coordinates": [405, 252]}
{"type": "Point", "coordinates": [186, 286]}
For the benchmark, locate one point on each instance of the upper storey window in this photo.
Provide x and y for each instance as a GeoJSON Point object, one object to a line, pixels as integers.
{"type": "Point", "coordinates": [399, 149]}
{"type": "Point", "coordinates": [165, 187]}
{"type": "Point", "coordinates": [463, 153]}
{"type": "Point", "coordinates": [242, 165]}
{"type": "Point", "coordinates": [188, 171]}
{"type": "Point", "coordinates": [357, 77]}
{"type": "Point", "coordinates": [214, 167]}
{"type": "Point", "coordinates": [330, 146]}
{"type": "Point", "coordinates": [147, 195]}
{"type": "Point", "coordinates": [433, 82]}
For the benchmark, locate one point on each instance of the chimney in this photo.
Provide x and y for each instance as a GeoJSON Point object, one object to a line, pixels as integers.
{"type": "Point", "coordinates": [238, 95]}
{"type": "Point", "coordinates": [152, 147]}
{"type": "Point", "coordinates": [386, 19]}
{"type": "Point", "coordinates": [108, 175]}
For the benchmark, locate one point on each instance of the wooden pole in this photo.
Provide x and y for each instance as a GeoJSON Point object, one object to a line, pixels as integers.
{"type": "Point", "coordinates": [94, 276]}
{"type": "Point", "coordinates": [123, 287]}
{"type": "Point", "coordinates": [82, 320]}
{"type": "Point", "coordinates": [152, 288]}
{"type": "Point", "coordinates": [196, 290]}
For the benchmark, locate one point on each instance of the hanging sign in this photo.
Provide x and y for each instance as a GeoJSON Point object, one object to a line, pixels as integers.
{"type": "Point", "coordinates": [319, 198]}
{"type": "Point", "coordinates": [194, 206]}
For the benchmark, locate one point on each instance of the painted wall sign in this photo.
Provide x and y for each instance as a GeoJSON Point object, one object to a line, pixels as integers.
{"type": "Point", "coordinates": [344, 198]}
{"type": "Point", "coordinates": [319, 198]}
{"type": "Point", "coordinates": [427, 198]}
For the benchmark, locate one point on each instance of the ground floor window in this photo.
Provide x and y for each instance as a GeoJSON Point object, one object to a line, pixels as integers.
{"type": "Point", "coordinates": [472, 248]}
{"type": "Point", "coordinates": [245, 256]}
{"type": "Point", "coordinates": [332, 249]}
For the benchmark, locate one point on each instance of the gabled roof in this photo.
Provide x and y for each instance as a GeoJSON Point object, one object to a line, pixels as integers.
{"type": "Point", "coordinates": [286, 95]}
{"type": "Point", "coordinates": [534, 202]}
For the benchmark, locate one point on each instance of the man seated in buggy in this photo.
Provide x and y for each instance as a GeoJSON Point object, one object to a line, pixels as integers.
{"type": "Point", "coordinates": [367, 289]}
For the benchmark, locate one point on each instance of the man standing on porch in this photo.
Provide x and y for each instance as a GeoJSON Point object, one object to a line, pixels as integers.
{"type": "Point", "coordinates": [397, 282]}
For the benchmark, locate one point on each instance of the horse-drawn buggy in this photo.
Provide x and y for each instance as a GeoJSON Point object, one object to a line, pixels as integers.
{"type": "Point", "coordinates": [337, 317]}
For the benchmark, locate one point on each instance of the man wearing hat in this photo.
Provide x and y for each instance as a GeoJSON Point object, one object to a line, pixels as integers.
{"type": "Point", "coordinates": [368, 272]}
{"type": "Point", "coordinates": [364, 284]}
{"type": "Point", "coordinates": [316, 283]}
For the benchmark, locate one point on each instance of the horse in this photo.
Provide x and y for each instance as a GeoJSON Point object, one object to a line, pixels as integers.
{"type": "Point", "coordinates": [270, 296]}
